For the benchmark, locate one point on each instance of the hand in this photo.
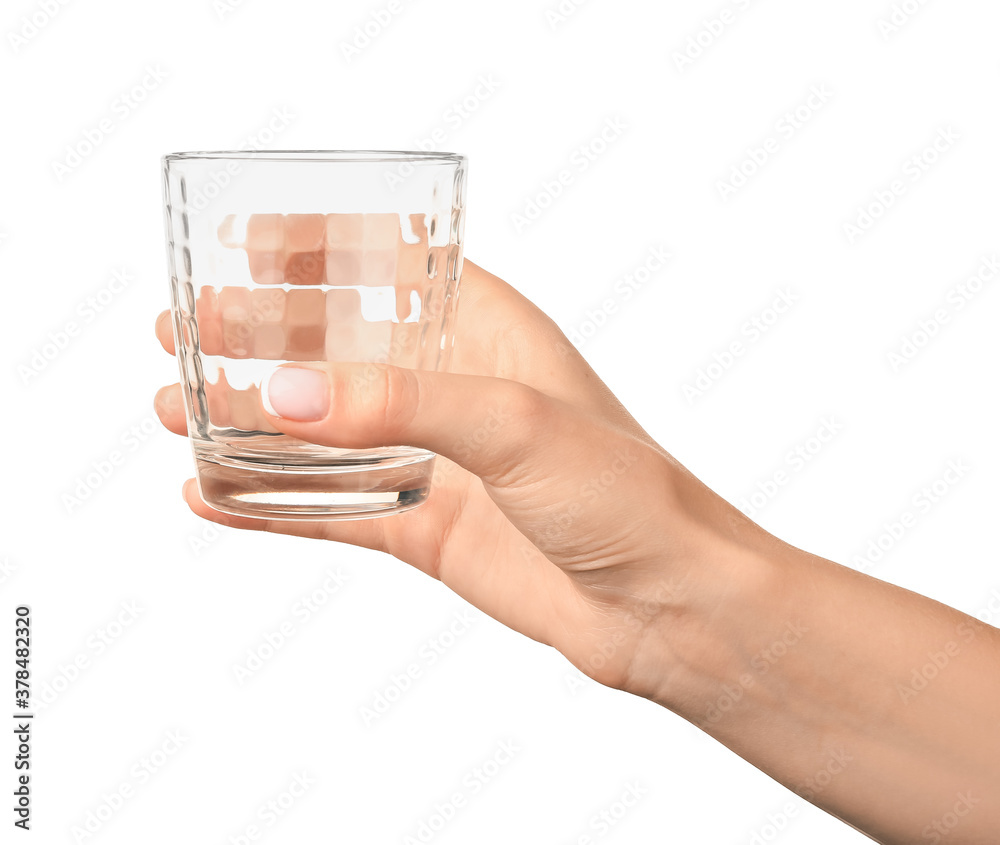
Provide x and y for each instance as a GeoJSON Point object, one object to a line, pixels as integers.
{"type": "Point", "coordinates": [554, 512]}
{"type": "Point", "coordinates": [551, 509]}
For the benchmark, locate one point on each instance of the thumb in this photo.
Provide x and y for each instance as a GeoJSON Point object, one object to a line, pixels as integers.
{"type": "Point", "coordinates": [553, 470]}
{"type": "Point", "coordinates": [493, 427]}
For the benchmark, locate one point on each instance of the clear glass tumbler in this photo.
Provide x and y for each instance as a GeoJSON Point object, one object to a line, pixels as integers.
{"type": "Point", "coordinates": [307, 256]}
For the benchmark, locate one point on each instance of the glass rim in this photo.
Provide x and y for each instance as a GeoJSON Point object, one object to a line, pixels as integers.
{"type": "Point", "coordinates": [355, 156]}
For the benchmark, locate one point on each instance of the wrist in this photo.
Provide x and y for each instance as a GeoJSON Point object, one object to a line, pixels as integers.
{"type": "Point", "coordinates": [694, 626]}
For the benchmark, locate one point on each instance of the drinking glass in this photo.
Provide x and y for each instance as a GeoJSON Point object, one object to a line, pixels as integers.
{"type": "Point", "coordinates": [307, 255]}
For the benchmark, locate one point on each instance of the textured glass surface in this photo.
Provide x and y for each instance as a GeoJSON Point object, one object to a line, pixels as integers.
{"type": "Point", "coordinates": [319, 258]}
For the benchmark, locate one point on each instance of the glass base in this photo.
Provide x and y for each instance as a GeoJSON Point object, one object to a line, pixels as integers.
{"type": "Point", "coordinates": [270, 489]}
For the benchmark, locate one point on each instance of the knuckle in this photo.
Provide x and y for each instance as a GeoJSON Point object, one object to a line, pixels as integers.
{"type": "Point", "coordinates": [532, 421]}
{"type": "Point", "coordinates": [399, 399]}
{"type": "Point", "coordinates": [530, 408]}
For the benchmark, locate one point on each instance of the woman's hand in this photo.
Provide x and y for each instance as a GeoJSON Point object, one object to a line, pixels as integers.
{"type": "Point", "coordinates": [551, 509]}
{"type": "Point", "coordinates": [554, 512]}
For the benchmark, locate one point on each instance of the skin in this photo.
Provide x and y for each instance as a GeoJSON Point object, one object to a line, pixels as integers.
{"type": "Point", "coordinates": [650, 583]}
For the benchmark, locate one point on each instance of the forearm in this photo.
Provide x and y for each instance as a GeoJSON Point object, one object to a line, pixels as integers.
{"type": "Point", "coordinates": [877, 704]}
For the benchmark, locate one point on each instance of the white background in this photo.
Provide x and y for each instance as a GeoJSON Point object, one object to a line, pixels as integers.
{"type": "Point", "coordinates": [205, 600]}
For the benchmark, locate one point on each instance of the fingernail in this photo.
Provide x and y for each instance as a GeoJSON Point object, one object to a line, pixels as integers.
{"type": "Point", "coordinates": [296, 394]}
